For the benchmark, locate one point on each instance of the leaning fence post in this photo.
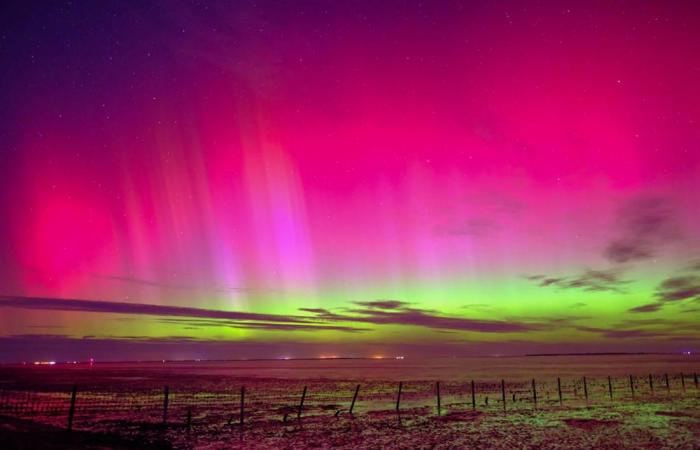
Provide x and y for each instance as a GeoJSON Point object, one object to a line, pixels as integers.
{"type": "Point", "coordinates": [632, 386]}
{"type": "Point", "coordinates": [503, 394]}
{"type": "Point", "coordinates": [473, 397]}
{"type": "Point", "coordinates": [534, 393]}
{"type": "Point", "coordinates": [354, 397]}
{"type": "Point", "coordinates": [301, 403]}
{"type": "Point", "coordinates": [437, 392]}
{"type": "Point", "coordinates": [71, 411]}
{"type": "Point", "coordinates": [561, 401]}
{"type": "Point", "coordinates": [166, 394]}
{"type": "Point", "coordinates": [651, 384]}
{"type": "Point", "coordinates": [398, 397]}
{"type": "Point", "coordinates": [585, 389]}
{"type": "Point", "coordinates": [242, 406]}
{"type": "Point", "coordinates": [610, 390]}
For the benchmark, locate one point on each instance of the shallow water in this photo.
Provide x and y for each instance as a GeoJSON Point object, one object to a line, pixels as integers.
{"type": "Point", "coordinates": [435, 368]}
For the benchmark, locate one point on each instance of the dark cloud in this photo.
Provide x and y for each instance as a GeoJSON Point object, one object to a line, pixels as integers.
{"type": "Point", "coordinates": [679, 288]}
{"type": "Point", "coordinates": [622, 334]}
{"type": "Point", "coordinates": [625, 250]}
{"type": "Point", "coordinates": [315, 310]}
{"type": "Point", "coordinates": [650, 307]}
{"type": "Point", "coordinates": [589, 280]}
{"type": "Point", "coordinates": [266, 326]}
{"type": "Point", "coordinates": [383, 312]}
{"type": "Point", "coordinates": [666, 324]}
{"type": "Point", "coordinates": [550, 281]}
{"type": "Point", "coordinates": [400, 314]}
{"type": "Point", "coordinates": [645, 322]}
{"type": "Point", "coordinates": [383, 304]}
{"type": "Point", "coordinates": [564, 321]}
{"type": "Point", "coordinates": [321, 313]}
{"type": "Point", "coordinates": [96, 306]}
{"type": "Point", "coordinates": [645, 223]}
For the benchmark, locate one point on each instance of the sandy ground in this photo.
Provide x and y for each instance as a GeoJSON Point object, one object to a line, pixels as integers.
{"type": "Point", "coordinates": [124, 409]}
{"type": "Point", "coordinates": [659, 425]}
{"type": "Point", "coordinates": [653, 425]}
{"type": "Point", "coordinates": [24, 434]}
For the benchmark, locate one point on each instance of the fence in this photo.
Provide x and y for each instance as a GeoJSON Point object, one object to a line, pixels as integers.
{"type": "Point", "coordinates": [120, 404]}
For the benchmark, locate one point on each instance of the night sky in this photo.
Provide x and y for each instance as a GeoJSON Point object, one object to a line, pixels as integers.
{"type": "Point", "coordinates": [294, 179]}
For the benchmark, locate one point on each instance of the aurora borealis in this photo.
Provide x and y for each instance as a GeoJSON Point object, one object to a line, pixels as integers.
{"type": "Point", "coordinates": [248, 179]}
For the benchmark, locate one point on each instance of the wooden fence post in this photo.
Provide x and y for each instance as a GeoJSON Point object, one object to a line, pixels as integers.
{"type": "Point", "coordinates": [473, 397]}
{"type": "Point", "coordinates": [561, 401]}
{"type": "Point", "coordinates": [398, 396]}
{"type": "Point", "coordinates": [610, 390]}
{"type": "Point", "coordinates": [166, 395]}
{"type": "Point", "coordinates": [189, 418]}
{"type": "Point", "coordinates": [668, 385]}
{"type": "Point", "coordinates": [683, 381]}
{"type": "Point", "coordinates": [301, 403]}
{"type": "Point", "coordinates": [242, 407]}
{"type": "Point", "coordinates": [437, 392]}
{"type": "Point", "coordinates": [632, 386]}
{"type": "Point", "coordinates": [534, 393]}
{"type": "Point", "coordinates": [354, 397]}
{"type": "Point", "coordinates": [651, 384]}
{"type": "Point", "coordinates": [695, 380]}
{"type": "Point", "coordinates": [503, 394]}
{"type": "Point", "coordinates": [71, 410]}
{"type": "Point", "coordinates": [585, 389]}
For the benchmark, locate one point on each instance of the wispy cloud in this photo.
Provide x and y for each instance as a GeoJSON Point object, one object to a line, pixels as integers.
{"type": "Point", "coordinates": [679, 288]}
{"type": "Point", "coordinates": [614, 333]}
{"type": "Point", "coordinates": [384, 304]}
{"type": "Point", "coordinates": [377, 312]}
{"type": "Point", "coordinates": [267, 326]}
{"type": "Point", "coordinates": [589, 280]}
{"type": "Point", "coordinates": [382, 312]}
{"type": "Point", "coordinates": [645, 223]}
{"type": "Point", "coordinates": [649, 307]}
{"type": "Point", "coordinates": [98, 306]}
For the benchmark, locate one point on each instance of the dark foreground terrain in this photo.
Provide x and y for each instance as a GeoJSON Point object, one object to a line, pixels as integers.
{"type": "Point", "coordinates": [195, 406]}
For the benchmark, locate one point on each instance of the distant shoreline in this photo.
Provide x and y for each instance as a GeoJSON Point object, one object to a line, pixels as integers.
{"type": "Point", "coordinates": [602, 354]}
{"type": "Point", "coordinates": [347, 358]}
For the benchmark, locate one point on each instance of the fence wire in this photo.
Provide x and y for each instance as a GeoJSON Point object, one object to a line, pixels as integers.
{"type": "Point", "coordinates": [101, 406]}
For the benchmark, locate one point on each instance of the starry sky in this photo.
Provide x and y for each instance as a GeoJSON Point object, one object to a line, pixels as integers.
{"type": "Point", "coordinates": [312, 178]}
